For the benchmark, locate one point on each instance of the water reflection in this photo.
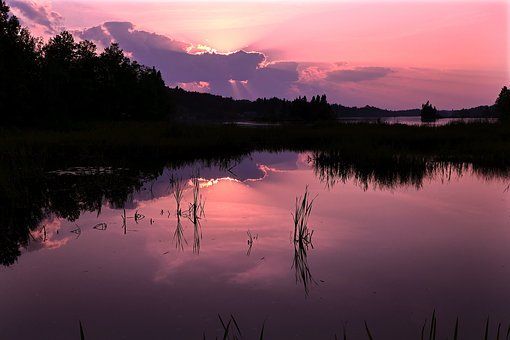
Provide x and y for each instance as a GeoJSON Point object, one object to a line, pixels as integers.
{"type": "Point", "coordinates": [301, 267]}
{"type": "Point", "coordinates": [179, 238]}
{"type": "Point", "coordinates": [67, 194]}
{"type": "Point", "coordinates": [388, 172]}
{"type": "Point", "coordinates": [397, 250]}
{"type": "Point", "coordinates": [251, 238]}
{"type": "Point", "coordinates": [302, 239]}
{"type": "Point", "coordinates": [197, 236]}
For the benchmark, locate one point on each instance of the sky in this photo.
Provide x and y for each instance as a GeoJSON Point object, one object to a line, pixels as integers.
{"type": "Point", "coordinates": [390, 54]}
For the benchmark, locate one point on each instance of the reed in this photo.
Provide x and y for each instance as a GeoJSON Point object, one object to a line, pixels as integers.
{"type": "Point", "coordinates": [251, 238]}
{"type": "Point", "coordinates": [178, 192]}
{"type": "Point", "coordinates": [179, 235]}
{"type": "Point", "coordinates": [368, 332]}
{"type": "Point", "coordinates": [303, 209]}
{"type": "Point", "coordinates": [82, 334]}
{"type": "Point", "coordinates": [100, 226]}
{"type": "Point", "coordinates": [197, 236]}
{"type": "Point", "coordinates": [124, 221]}
{"type": "Point", "coordinates": [138, 217]}
{"type": "Point", "coordinates": [196, 208]}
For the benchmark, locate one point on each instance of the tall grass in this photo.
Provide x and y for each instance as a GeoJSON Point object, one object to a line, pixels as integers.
{"type": "Point", "coordinates": [302, 271]}
{"type": "Point", "coordinates": [302, 240]}
{"type": "Point", "coordinates": [251, 238]}
{"type": "Point", "coordinates": [303, 209]}
{"type": "Point", "coordinates": [179, 235]}
{"type": "Point", "coordinates": [196, 208]}
{"type": "Point", "coordinates": [124, 221]}
{"type": "Point", "coordinates": [178, 193]}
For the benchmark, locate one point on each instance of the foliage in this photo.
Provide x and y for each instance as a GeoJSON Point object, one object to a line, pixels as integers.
{"type": "Point", "coordinates": [64, 81]}
{"type": "Point", "coordinates": [428, 112]}
{"type": "Point", "coordinates": [119, 157]}
{"type": "Point", "coordinates": [204, 106]}
{"type": "Point", "coordinates": [503, 104]}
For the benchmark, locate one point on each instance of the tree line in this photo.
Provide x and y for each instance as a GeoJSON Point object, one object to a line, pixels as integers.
{"type": "Point", "coordinates": [64, 81]}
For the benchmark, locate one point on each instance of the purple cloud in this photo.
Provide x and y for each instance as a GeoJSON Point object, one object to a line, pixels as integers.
{"type": "Point", "coordinates": [358, 74]}
{"type": "Point", "coordinates": [38, 14]}
{"type": "Point", "coordinates": [238, 74]}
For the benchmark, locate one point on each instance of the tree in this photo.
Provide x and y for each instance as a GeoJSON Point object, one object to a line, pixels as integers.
{"type": "Point", "coordinates": [428, 112]}
{"type": "Point", "coordinates": [19, 55]}
{"type": "Point", "coordinates": [65, 81]}
{"type": "Point", "coordinates": [503, 104]}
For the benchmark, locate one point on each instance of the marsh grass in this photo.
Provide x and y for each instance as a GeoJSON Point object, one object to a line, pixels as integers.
{"type": "Point", "coordinates": [303, 209]}
{"type": "Point", "coordinates": [179, 238]}
{"type": "Point", "coordinates": [370, 154]}
{"type": "Point", "coordinates": [138, 217]}
{"type": "Point", "coordinates": [196, 210]}
{"type": "Point", "coordinates": [82, 333]}
{"type": "Point", "coordinates": [124, 221]}
{"type": "Point", "coordinates": [100, 226]}
{"type": "Point", "coordinates": [195, 213]}
{"type": "Point", "coordinates": [251, 238]}
{"type": "Point", "coordinates": [197, 236]}
{"type": "Point", "coordinates": [232, 330]}
{"type": "Point", "coordinates": [429, 331]}
{"type": "Point", "coordinates": [177, 193]}
{"type": "Point", "coordinates": [302, 240]}
{"type": "Point", "coordinates": [301, 268]}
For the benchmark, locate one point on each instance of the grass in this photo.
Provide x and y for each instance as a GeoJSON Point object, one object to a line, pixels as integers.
{"type": "Point", "coordinates": [196, 208]}
{"type": "Point", "coordinates": [195, 213]}
{"type": "Point", "coordinates": [251, 238]}
{"type": "Point", "coordinates": [143, 143]}
{"type": "Point", "coordinates": [82, 334]}
{"type": "Point", "coordinates": [178, 192]}
{"type": "Point", "coordinates": [232, 330]}
{"type": "Point", "coordinates": [138, 217]}
{"type": "Point", "coordinates": [302, 270]}
{"type": "Point", "coordinates": [303, 209]}
{"type": "Point", "coordinates": [119, 158]}
{"type": "Point", "coordinates": [179, 235]}
{"type": "Point", "coordinates": [124, 221]}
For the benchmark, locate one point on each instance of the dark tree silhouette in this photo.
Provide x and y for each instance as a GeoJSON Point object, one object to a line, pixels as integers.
{"type": "Point", "coordinates": [503, 104]}
{"type": "Point", "coordinates": [19, 55]}
{"type": "Point", "coordinates": [428, 112]}
{"type": "Point", "coordinates": [64, 81]}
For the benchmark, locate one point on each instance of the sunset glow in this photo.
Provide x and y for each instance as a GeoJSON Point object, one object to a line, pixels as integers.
{"type": "Point", "coordinates": [454, 53]}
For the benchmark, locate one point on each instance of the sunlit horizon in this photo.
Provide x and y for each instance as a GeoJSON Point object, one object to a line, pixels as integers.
{"type": "Point", "coordinates": [394, 55]}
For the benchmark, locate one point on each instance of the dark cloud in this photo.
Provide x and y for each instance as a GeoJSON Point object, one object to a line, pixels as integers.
{"type": "Point", "coordinates": [131, 39]}
{"type": "Point", "coordinates": [237, 74]}
{"type": "Point", "coordinates": [358, 74]}
{"type": "Point", "coordinates": [38, 14]}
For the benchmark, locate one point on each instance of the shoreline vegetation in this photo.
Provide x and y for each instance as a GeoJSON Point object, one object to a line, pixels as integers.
{"type": "Point", "coordinates": [63, 83]}
{"type": "Point", "coordinates": [65, 106]}
{"type": "Point", "coordinates": [121, 157]}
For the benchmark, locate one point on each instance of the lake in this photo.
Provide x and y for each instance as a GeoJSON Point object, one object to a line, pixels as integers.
{"type": "Point", "coordinates": [413, 120]}
{"type": "Point", "coordinates": [388, 247]}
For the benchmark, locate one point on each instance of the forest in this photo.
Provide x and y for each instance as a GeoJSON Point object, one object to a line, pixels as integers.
{"type": "Point", "coordinates": [63, 83]}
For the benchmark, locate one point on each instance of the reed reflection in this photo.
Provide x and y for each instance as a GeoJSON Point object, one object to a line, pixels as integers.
{"type": "Point", "coordinates": [30, 196]}
{"type": "Point", "coordinates": [389, 172]}
{"type": "Point", "coordinates": [179, 238]}
{"type": "Point", "coordinates": [302, 240]}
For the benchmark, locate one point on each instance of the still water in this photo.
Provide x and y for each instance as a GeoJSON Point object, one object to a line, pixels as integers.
{"type": "Point", "coordinates": [413, 120]}
{"type": "Point", "coordinates": [384, 253]}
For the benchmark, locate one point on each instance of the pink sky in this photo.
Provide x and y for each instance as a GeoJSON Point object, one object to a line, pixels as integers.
{"type": "Point", "coordinates": [397, 54]}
